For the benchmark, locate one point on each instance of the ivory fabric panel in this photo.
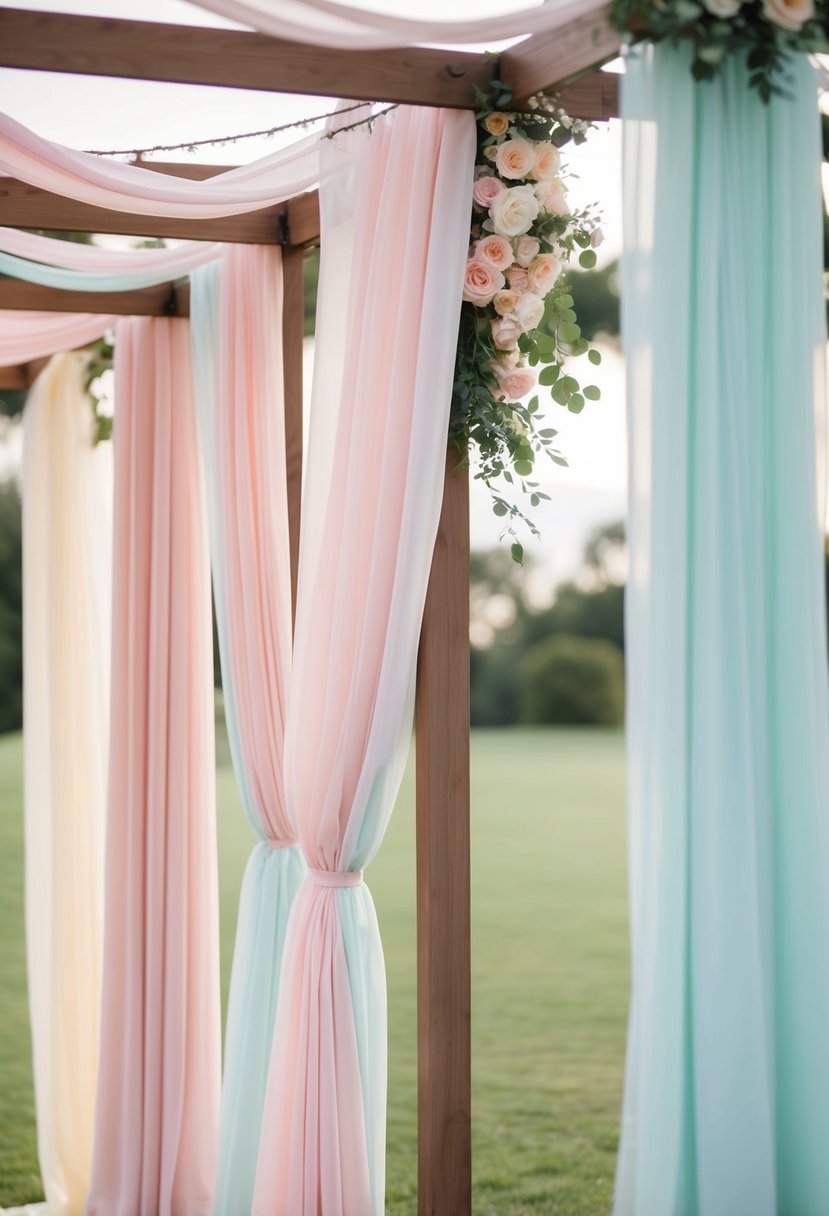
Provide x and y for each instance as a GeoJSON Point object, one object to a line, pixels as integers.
{"type": "Point", "coordinates": [159, 1074]}
{"type": "Point", "coordinates": [236, 319]}
{"type": "Point", "coordinates": [67, 511]}
{"type": "Point", "coordinates": [727, 1089]}
{"type": "Point", "coordinates": [395, 216]}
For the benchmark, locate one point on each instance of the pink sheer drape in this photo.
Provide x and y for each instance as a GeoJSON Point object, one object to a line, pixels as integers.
{"type": "Point", "coordinates": [158, 1087]}
{"type": "Point", "coordinates": [395, 216]}
{"type": "Point", "coordinates": [35, 335]}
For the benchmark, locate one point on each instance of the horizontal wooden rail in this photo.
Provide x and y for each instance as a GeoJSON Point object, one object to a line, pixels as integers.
{"type": "Point", "coordinates": [167, 299]}
{"type": "Point", "coordinates": [25, 206]}
{"type": "Point", "coordinates": [189, 54]}
{"type": "Point", "coordinates": [582, 44]}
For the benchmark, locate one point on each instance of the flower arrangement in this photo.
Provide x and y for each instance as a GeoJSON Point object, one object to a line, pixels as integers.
{"type": "Point", "coordinates": [517, 314]}
{"type": "Point", "coordinates": [765, 30]}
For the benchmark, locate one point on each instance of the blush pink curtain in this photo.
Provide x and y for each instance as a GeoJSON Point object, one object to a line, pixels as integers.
{"type": "Point", "coordinates": [395, 226]}
{"type": "Point", "coordinates": [158, 1081]}
{"type": "Point", "coordinates": [34, 335]}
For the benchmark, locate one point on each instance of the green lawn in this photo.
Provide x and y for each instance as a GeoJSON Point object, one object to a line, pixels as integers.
{"type": "Point", "coordinates": [549, 959]}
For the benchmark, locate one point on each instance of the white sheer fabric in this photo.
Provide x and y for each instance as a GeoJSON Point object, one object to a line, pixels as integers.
{"type": "Point", "coordinates": [67, 557]}
{"type": "Point", "coordinates": [328, 23]}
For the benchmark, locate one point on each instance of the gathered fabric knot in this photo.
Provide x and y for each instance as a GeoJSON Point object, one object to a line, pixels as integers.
{"type": "Point", "coordinates": [335, 878]}
{"type": "Point", "coordinates": [273, 843]}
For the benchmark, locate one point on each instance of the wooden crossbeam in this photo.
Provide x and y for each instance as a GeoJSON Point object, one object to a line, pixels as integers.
{"type": "Point", "coordinates": [164, 300]}
{"type": "Point", "coordinates": [25, 206]}
{"type": "Point", "coordinates": [186, 54]}
{"type": "Point", "coordinates": [559, 56]}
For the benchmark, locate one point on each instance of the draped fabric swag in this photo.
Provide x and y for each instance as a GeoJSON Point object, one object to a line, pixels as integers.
{"type": "Point", "coordinates": [236, 308]}
{"type": "Point", "coordinates": [392, 262]}
{"type": "Point", "coordinates": [158, 1081]}
{"type": "Point", "coordinates": [25, 336]}
{"type": "Point", "coordinates": [726, 1106]}
{"type": "Point", "coordinates": [67, 509]}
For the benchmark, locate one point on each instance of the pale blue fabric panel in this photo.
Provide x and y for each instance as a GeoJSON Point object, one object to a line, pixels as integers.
{"type": "Point", "coordinates": [272, 876]}
{"type": "Point", "coordinates": [727, 1089]}
{"type": "Point", "coordinates": [79, 280]}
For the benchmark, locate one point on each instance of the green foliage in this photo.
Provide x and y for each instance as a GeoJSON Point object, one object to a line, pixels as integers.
{"type": "Point", "coordinates": [596, 300]}
{"type": "Point", "coordinates": [311, 278]}
{"type": "Point", "coordinates": [573, 680]}
{"type": "Point", "coordinates": [750, 31]}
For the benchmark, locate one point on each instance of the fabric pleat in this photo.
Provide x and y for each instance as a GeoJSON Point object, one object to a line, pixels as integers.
{"type": "Point", "coordinates": [394, 216]}
{"type": "Point", "coordinates": [25, 336]}
{"type": "Point", "coordinates": [237, 344]}
{"type": "Point", "coordinates": [67, 511]}
{"type": "Point", "coordinates": [158, 1084]}
{"type": "Point", "coordinates": [727, 1089]}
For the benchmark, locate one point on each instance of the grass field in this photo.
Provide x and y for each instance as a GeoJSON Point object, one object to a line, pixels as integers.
{"type": "Point", "coordinates": [549, 971]}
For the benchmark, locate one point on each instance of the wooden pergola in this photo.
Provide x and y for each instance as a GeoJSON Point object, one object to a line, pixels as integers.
{"type": "Point", "coordinates": [561, 62]}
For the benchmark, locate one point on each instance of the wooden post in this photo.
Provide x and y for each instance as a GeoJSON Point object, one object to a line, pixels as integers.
{"type": "Point", "coordinates": [443, 907]}
{"type": "Point", "coordinates": [293, 325]}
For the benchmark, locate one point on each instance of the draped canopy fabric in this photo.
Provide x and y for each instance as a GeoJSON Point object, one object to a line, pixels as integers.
{"type": "Point", "coordinates": [25, 336]}
{"type": "Point", "coordinates": [392, 261]}
{"type": "Point", "coordinates": [236, 317]}
{"type": "Point", "coordinates": [726, 1105]}
{"type": "Point", "coordinates": [158, 1080]}
{"type": "Point", "coordinates": [112, 184]}
{"type": "Point", "coordinates": [329, 23]}
{"type": "Point", "coordinates": [67, 509]}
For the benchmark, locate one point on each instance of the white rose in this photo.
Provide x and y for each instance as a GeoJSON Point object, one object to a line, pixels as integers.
{"type": "Point", "coordinates": [596, 238]}
{"type": "Point", "coordinates": [514, 210]}
{"type": "Point", "coordinates": [789, 14]}
{"type": "Point", "coordinates": [526, 248]}
{"type": "Point", "coordinates": [529, 310]}
{"type": "Point", "coordinates": [723, 8]}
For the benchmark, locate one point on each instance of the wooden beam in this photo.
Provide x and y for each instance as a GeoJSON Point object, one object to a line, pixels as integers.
{"type": "Point", "coordinates": [14, 377]}
{"type": "Point", "coordinates": [549, 62]}
{"type": "Point", "coordinates": [167, 299]}
{"type": "Point", "coordinates": [24, 206]}
{"type": "Point", "coordinates": [293, 326]}
{"type": "Point", "coordinates": [187, 54]}
{"type": "Point", "coordinates": [443, 879]}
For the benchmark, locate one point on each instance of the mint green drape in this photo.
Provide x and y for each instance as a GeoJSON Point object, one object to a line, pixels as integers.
{"type": "Point", "coordinates": [727, 1090]}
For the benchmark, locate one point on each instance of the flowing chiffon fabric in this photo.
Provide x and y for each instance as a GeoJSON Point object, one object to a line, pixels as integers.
{"type": "Point", "coordinates": [727, 1090]}
{"type": "Point", "coordinates": [394, 215]}
{"type": "Point", "coordinates": [67, 513]}
{"type": "Point", "coordinates": [236, 309]}
{"type": "Point", "coordinates": [25, 336]}
{"type": "Point", "coordinates": [158, 1081]}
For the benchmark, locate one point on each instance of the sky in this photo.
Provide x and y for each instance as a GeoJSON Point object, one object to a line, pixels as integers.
{"type": "Point", "coordinates": [94, 112]}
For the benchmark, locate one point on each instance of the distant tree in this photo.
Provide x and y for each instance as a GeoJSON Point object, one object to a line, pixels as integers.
{"type": "Point", "coordinates": [573, 681]}
{"type": "Point", "coordinates": [596, 300]}
{"type": "Point", "coordinates": [11, 609]}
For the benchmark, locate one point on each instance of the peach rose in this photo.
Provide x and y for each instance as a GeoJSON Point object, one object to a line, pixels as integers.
{"type": "Point", "coordinates": [723, 8]}
{"type": "Point", "coordinates": [497, 123]}
{"type": "Point", "coordinates": [515, 382]}
{"type": "Point", "coordinates": [481, 282]}
{"type": "Point", "coordinates": [526, 248]}
{"type": "Point", "coordinates": [543, 272]}
{"type": "Point", "coordinates": [515, 158]}
{"type": "Point", "coordinates": [529, 310]}
{"type": "Point", "coordinates": [491, 153]}
{"type": "Point", "coordinates": [505, 301]}
{"type": "Point", "coordinates": [552, 197]}
{"type": "Point", "coordinates": [547, 162]}
{"type": "Point", "coordinates": [486, 190]}
{"type": "Point", "coordinates": [789, 14]}
{"type": "Point", "coordinates": [513, 212]}
{"type": "Point", "coordinates": [505, 332]}
{"type": "Point", "coordinates": [496, 250]}
{"type": "Point", "coordinates": [518, 279]}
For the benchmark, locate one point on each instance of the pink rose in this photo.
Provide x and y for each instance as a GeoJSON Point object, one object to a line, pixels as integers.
{"type": "Point", "coordinates": [505, 332]}
{"type": "Point", "coordinates": [505, 301]}
{"type": "Point", "coordinates": [789, 14]}
{"type": "Point", "coordinates": [480, 283]}
{"type": "Point", "coordinates": [526, 248]}
{"type": "Point", "coordinates": [496, 250]}
{"type": "Point", "coordinates": [543, 272]}
{"type": "Point", "coordinates": [516, 382]}
{"type": "Point", "coordinates": [515, 158]}
{"type": "Point", "coordinates": [486, 190]}
{"type": "Point", "coordinates": [518, 279]}
{"type": "Point", "coordinates": [596, 238]}
{"type": "Point", "coordinates": [547, 162]}
{"type": "Point", "coordinates": [552, 197]}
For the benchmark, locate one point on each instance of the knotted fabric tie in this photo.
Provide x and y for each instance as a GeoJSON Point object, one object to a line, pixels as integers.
{"type": "Point", "coordinates": [335, 878]}
{"type": "Point", "coordinates": [279, 844]}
